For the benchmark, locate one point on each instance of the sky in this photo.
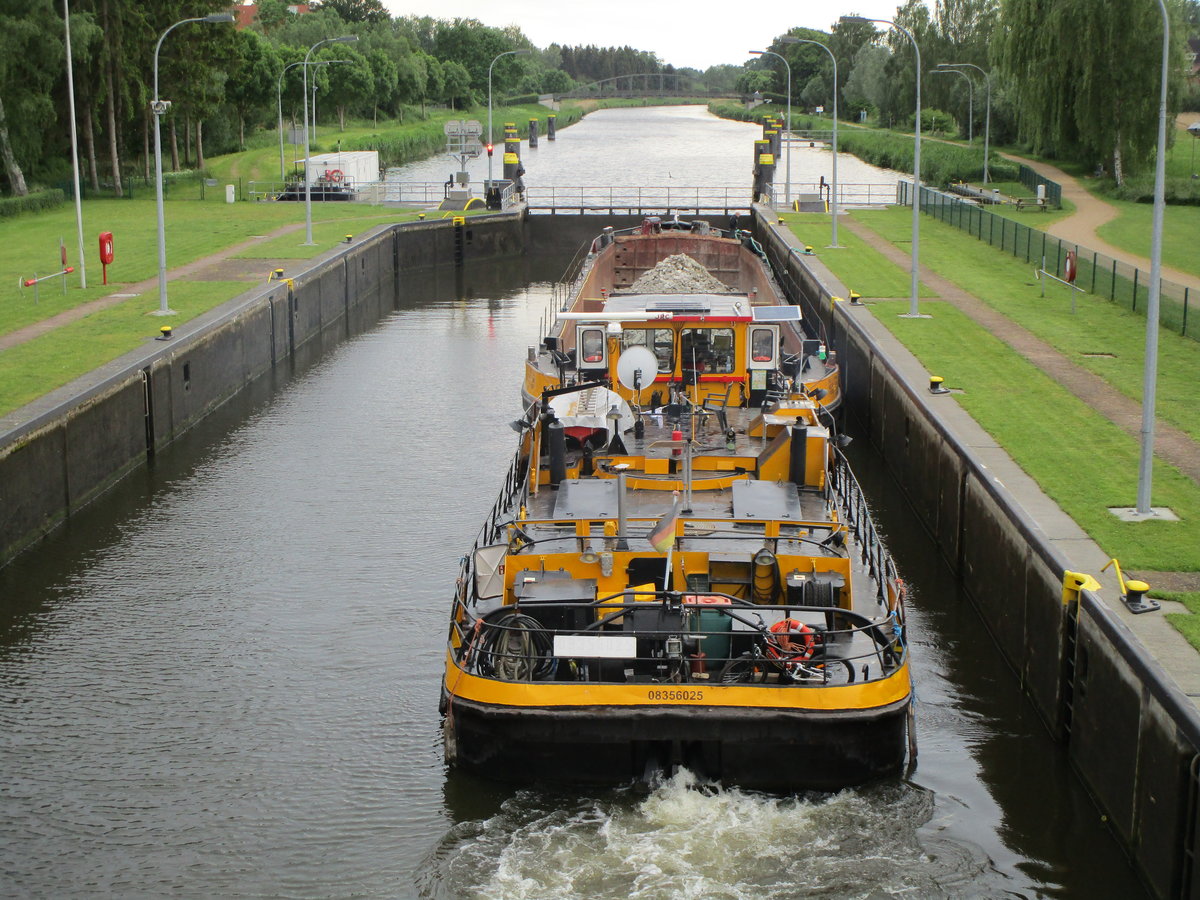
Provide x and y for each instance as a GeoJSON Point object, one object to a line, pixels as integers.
{"type": "Point", "coordinates": [693, 33]}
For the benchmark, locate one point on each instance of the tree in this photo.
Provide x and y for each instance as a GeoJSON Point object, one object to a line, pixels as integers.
{"type": "Point", "coordinates": [1078, 104]}
{"type": "Point", "coordinates": [357, 10]}
{"type": "Point", "coordinates": [349, 81]}
{"type": "Point", "coordinates": [456, 85]}
{"type": "Point", "coordinates": [31, 53]}
{"type": "Point", "coordinates": [867, 84]}
{"type": "Point", "coordinates": [252, 78]}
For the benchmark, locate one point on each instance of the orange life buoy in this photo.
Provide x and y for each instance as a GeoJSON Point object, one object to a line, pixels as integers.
{"type": "Point", "coordinates": [335, 175]}
{"type": "Point", "coordinates": [795, 639]}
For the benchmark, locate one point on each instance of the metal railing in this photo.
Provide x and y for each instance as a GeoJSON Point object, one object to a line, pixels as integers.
{"type": "Point", "coordinates": [1095, 272]}
{"type": "Point", "coordinates": [853, 194]}
{"type": "Point", "coordinates": [721, 199]}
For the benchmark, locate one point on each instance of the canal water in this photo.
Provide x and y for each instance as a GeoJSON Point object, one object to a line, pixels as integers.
{"type": "Point", "coordinates": [222, 681]}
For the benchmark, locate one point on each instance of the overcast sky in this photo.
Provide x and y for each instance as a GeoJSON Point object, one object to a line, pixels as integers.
{"type": "Point", "coordinates": [695, 33]}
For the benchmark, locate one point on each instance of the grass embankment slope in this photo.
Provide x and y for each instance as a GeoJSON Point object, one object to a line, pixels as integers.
{"type": "Point", "coordinates": [1084, 462]}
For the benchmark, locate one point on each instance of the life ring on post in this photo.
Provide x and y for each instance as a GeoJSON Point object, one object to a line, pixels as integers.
{"type": "Point", "coordinates": [794, 639]}
{"type": "Point", "coordinates": [335, 175]}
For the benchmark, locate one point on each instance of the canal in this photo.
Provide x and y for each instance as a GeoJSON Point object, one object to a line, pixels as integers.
{"type": "Point", "coordinates": [223, 679]}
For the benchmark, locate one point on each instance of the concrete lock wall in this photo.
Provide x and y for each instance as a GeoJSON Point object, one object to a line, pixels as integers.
{"type": "Point", "coordinates": [63, 451]}
{"type": "Point", "coordinates": [1132, 735]}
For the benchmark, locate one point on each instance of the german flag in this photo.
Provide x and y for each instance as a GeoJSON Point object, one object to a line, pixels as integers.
{"type": "Point", "coordinates": [662, 537]}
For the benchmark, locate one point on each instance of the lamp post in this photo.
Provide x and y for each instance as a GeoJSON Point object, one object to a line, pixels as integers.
{"type": "Point", "coordinates": [75, 150]}
{"type": "Point", "coordinates": [787, 153]}
{"type": "Point", "coordinates": [345, 39]}
{"type": "Point", "coordinates": [833, 189]}
{"type": "Point", "coordinates": [1194, 131]}
{"type": "Point", "coordinates": [987, 118]}
{"type": "Point", "coordinates": [913, 311]}
{"type": "Point", "coordinates": [970, 98]}
{"type": "Point", "coordinates": [1150, 375]}
{"type": "Point", "coordinates": [279, 103]}
{"type": "Point", "coordinates": [489, 143]}
{"type": "Point", "coordinates": [159, 109]}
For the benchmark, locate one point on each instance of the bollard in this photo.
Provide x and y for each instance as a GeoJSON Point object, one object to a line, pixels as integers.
{"type": "Point", "coordinates": [511, 162]}
{"type": "Point", "coordinates": [937, 386]}
{"type": "Point", "coordinates": [550, 123]}
{"type": "Point", "coordinates": [533, 132]}
{"type": "Point", "coordinates": [855, 298]}
{"type": "Point", "coordinates": [349, 238]}
{"type": "Point", "coordinates": [164, 333]}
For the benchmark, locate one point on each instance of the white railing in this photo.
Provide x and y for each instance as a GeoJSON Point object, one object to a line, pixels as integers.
{"type": "Point", "coordinates": [598, 198]}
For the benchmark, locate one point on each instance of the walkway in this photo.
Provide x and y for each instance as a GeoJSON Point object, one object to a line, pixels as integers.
{"type": "Point", "coordinates": [1170, 444]}
{"type": "Point", "coordinates": [1090, 213]}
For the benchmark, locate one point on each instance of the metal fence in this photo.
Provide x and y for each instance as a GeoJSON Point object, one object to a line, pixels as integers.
{"type": "Point", "coordinates": [1033, 181]}
{"type": "Point", "coordinates": [1095, 272]}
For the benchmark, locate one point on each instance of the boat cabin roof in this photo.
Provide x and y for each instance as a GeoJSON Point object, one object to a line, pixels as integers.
{"type": "Point", "coordinates": [713, 306]}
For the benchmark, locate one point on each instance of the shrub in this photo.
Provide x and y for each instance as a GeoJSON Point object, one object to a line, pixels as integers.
{"type": "Point", "coordinates": [51, 198]}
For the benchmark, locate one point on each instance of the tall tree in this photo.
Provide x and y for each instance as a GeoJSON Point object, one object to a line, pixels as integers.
{"type": "Point", "coordinates": [1071, 100]}
{"type": "Point", "coordinates": [31, 53]}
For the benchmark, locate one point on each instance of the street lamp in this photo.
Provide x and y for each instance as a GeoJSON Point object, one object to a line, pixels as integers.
{"type": "Point", "coordinates": [75, 149]}
{"type": "Point", "coordinates": [987, 119]}
{"type": "Point", "coordinates": [833, 190]}
{"type": "Point", "coordinates": [279, 102]}
{"type": "Point", "coordinates": [159, 109]}
{"type": "Point", "coordinates": [345, 39]}
{"type": "Point", "coordinates": [970, 98]}
{"type": "Point", "coordinates": [489, 143]}
{"type": "Point", "coordinates": [1194, 131]}
{"type": "Point", "coordinates": [913, 312]}
{"type": "Point", "coordinates": [1150, 375]}
{"type": "Point", "coordinates": [787, 190]}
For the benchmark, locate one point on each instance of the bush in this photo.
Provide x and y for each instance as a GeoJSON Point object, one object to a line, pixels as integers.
{"type": "Point", "coordinates": [34, 202]}
{"type": "Point", "coordinates": [1140, 189]}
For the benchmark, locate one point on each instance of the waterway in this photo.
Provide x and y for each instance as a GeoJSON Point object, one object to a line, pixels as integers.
{"type": "Point", "coordinates": [223, 680]}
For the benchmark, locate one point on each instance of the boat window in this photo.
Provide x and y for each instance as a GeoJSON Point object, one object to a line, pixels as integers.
{"type": "Point", "coordinates": [591, 345]}
{"type": "Point", "coordinates": [707, 349]}
{"type": "Point", "coordinates": [762, 344]}
{"type": "Point", "coordinates": [659, 340]}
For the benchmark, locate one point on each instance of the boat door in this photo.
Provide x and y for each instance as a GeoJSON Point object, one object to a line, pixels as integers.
{"type": "Point", "coordinates": [762, 358]}
{"type": "Point", "coordinates": [591, 350]}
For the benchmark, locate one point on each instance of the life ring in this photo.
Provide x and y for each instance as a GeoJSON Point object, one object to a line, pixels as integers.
{"type": "Point", "coordinates": [794, 639]}
{"type": "Point", "coordinates": [335, 175]}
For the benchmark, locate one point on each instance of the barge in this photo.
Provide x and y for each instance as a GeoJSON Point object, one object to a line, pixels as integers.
{"type": "Point", "coordinates": [680, 570]}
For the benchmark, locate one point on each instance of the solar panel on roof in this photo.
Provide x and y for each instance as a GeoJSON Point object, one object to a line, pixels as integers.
{"type": "Point", "coordinates": [681, 305]}
{"type": "Point", "coordinates": [776, 314]}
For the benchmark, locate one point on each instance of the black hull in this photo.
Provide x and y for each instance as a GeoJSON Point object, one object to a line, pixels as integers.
{"type": "Point", "coordinates": [764, 749]}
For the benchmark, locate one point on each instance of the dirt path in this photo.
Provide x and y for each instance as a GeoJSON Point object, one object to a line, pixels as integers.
{"type": "Point", "coordinates": [1090, 213]}
{"type": "Point", "coordinates": [1170, 443]}
{"type": "Point", "coordinates": [219, 266]}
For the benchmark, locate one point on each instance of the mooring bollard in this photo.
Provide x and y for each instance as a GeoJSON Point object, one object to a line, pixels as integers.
{"type": "Point", "coordinates": [937, 385]}
{"type": "Point", "coordinates": [164, 333]}
{"type": "Point", "coordinates": [533, 132]}
{"type": "Point", "coordinates": [550, 123]}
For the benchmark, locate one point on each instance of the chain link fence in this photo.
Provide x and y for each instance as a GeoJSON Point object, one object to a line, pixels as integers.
{"type": "Point", "coordinates": [1095, 272]}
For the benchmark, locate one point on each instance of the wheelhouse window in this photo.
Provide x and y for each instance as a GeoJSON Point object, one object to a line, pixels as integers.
{"type": "Point", "coordinates": [660, 340]}
{"type": "Point", "coordinates": [762, 344]}
{"type": "Point", "coordinates": [707, 350]}
{"type": "Point", "coordinates": [591, 346]}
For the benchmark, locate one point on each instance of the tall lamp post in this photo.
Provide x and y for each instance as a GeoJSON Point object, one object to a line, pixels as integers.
{"type": "Point", "coordinates": [787, 153]}
{"type": "Point", "coordinates": [987, 118]}
{"type": "Point", "coordinates": [279, 103]}
{"type": "Point", "coordinates": [75, 150]}
{"type": "Point", "coordinates": [489, 143]}
{"type": "Point", "coordinates": [833, 189]}
{"type": "Point", "coordinates": [970, 98]}
{"type": "Point", "coordinates": [159, 109]}
{"type": "Point", "coordinates": [1150, 375]}
{"type": "Point", "coordinates": [345, 39]}
{"type": "Point", "coordinates": [913, 311]}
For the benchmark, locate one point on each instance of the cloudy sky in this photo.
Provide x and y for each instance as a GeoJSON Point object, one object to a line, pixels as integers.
{"type": "Point", "coordinates": [696, 33]}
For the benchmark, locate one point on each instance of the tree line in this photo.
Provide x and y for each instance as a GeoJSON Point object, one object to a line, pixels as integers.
{"type": "Point", "coordinates": [1054, 84]}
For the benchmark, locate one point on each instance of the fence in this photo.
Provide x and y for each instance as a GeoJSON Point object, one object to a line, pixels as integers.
{"type": "Point", "coordinates": [1033, 180]}
{"type": "Point", "coordinates": [1095, 272]}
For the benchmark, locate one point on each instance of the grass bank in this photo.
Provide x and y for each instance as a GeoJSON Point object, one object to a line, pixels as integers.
{"type": "Point", "coordinates": [1082, 461]}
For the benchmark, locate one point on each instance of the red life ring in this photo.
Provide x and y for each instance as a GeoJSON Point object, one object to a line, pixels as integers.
{"type": "Point", "coordinates": [1070, 268]}
{"type": "Point", "coordinates": [335, 175]}
{"type": "Point", "coordinates": [795, 640]}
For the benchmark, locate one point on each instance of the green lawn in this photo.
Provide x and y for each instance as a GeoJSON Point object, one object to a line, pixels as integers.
{"type": "Point", "coordinates": [1132, 229]}
{"type": "Point", "coordinates": [37, 367]}
{"type": "Point", "coordinates": [194, 230]}
{"type": "Point", "coordinates": [1101, 336]}
{"type": "Point", "coordinates": [1081, 460]}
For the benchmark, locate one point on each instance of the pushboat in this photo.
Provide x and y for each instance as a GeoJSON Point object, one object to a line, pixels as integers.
{"type": "Point", "coordinates": [680, 569]}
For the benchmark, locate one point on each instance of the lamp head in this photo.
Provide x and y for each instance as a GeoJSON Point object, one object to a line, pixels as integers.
{"type": "Point", "coordinates": [855, 20]}
{"type": "Point", "coordinates": [344, 39]}
{"type": "Point", "coordinates": [219, 17]}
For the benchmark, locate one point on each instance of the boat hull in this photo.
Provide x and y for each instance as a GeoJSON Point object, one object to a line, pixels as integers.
{"type": "Point", "coordinates": [759, 748]}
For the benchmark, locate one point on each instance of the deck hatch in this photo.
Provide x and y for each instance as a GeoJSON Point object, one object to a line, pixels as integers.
{"type": "Point", "coordinates": [591, 498]}
{"type": "Point", "coordinates": [765, 500]}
